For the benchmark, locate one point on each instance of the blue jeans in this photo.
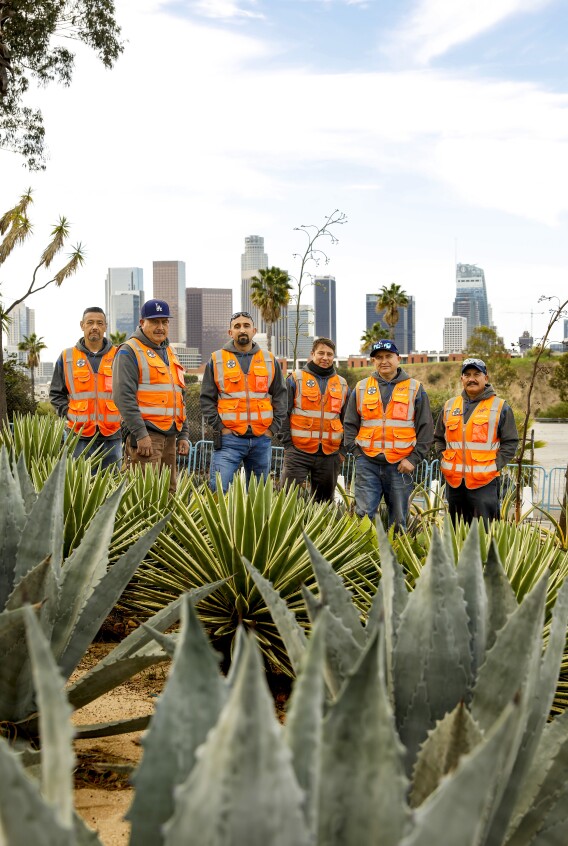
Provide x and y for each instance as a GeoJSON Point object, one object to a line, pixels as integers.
{"type": "Point", "coordinates": [373, 481]}
{"type": "Point", "coordinates": [254, 454]}
{"type": "Point", "coordinates": [111, 450]}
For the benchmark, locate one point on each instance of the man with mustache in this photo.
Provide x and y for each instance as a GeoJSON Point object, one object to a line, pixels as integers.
{"type": "Point", "coordinates": [388, 427]}
{"type": "Point", "coordinates": [149, 390]}
{"type": "Point", "coordinates": [244, 400]}
{"type": "Point", "coordinates": [475, 437]}
{"type": "Point", "coordinates": [81, 391]}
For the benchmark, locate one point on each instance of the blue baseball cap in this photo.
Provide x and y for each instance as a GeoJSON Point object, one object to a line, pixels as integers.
{"type": "Point", "coordinates": [154, 308]}
{"type": "Point", "coordinates": [383, 344]}
{"type": "Point", "coordinates": [474, 362]}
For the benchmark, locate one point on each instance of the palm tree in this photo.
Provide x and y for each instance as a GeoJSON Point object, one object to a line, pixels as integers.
{"type": "Point", "coordinates": [270, 291]}
{"type": "Point", "coordinates": [375, 333]}
{"type": "Point", "coordinates": [117, 338]}
{"type": "Point", "coordinates": [33, 346]}
{"type": "Point", "coordinates": [389, 301]}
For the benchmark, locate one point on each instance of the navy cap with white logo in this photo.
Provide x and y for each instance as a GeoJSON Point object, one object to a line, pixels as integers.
{"type": "Point", "coordinates": [154, 308]}
{"type": "Point", "coordinates": [383, 344]}
{"type": "Point", "coordinates": [474, 362]}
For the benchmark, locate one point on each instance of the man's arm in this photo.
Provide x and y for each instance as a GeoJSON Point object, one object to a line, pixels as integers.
{"type": "Point", "coordinates": [351, 423]}
{"type": "Point", "coordinates": [58, 393]}
{"type": "Point", "coordinates": [424, 427]}
{"type": "Point", "coordinates": [208, 399]}
{"type": "Point", "coordinates": [508, 437]}
{"type": "Point", "coordinates": [124, 389]}
{"type": "Point", "coordinates": [285, 435]}
{"type": "Point", "coordinates": [440, 435]}
{"type": "Point", "coordinates": [279, 393]}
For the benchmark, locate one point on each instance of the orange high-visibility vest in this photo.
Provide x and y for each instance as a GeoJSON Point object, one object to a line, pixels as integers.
{"type": "Point", "coordinates": [91, 408]}
{"type": "Point", "coordinates": [243, 398]}
{"type": "Point", "coordinates": [389, 431]}
{"type": "Point", "coordinates": [315, 419]}
{"type": "Point", "coordinates": [160, 387]}
{"type": "Point", "coordinates": [471, 450]}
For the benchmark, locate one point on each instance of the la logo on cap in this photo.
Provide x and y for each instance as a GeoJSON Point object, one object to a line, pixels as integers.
{"type": "Point", "coordinates": [159, 307]}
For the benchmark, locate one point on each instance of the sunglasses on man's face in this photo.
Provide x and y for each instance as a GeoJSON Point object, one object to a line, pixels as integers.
{"type": "Point", "coordinates": [240, 314]}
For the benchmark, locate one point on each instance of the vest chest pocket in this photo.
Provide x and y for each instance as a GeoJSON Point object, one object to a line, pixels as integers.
{"type": "Point", "coordinates": [150, 399]}
{"type": "Point", "coordinates": [400, 411]}
{"type": "Point", "coordinates": [227, 405]}
{"type": "Point", "coordinates": [107, 383]}
{"type": "Point", "coordinates": [82, 379]}
{"type": "Point", "coordinates": [480, 426]}
{"type": "Point", "coordinates": [335, 404]}
{"type": "Point", "coordinates": [260, 384]}
{"type": "Point", "coordinates": [302, 422]}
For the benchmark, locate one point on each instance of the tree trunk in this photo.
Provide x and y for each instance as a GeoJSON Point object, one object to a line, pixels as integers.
{"type": "Point", "coordinates": [269, 335]}
{"type": "Point", "coordinates": [32, 377]}
{"type": "Point", "coordinates": [3, 403]}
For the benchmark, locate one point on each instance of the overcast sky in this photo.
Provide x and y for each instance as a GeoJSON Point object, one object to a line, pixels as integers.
{"type": "Point", "coordinates": [439, 127]}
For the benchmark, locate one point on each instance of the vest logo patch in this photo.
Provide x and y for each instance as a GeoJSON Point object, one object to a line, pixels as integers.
{"type": "Point", "coordinates": [151, 354]}
{"type": "Point", "coordinates": [372, 390]}
{"type": "Point", "coordinates": [81, 362]}
{"type": "Point", "coordinates": [311, 383]}
{"type": "Point", "coordinates": [456, 412]}
{"type": "Point", "coordinates": [231, 363]}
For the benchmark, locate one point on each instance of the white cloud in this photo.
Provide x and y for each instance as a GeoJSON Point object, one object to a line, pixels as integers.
{"type": "Point", "coordinates": [435, 26]}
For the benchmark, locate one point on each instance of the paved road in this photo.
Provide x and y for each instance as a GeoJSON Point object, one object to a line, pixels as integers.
{"type": "Point", "coordinates": [555, 453]}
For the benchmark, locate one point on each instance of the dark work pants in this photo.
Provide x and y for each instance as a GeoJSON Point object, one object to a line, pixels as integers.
{"type": "Point", "coordinates": [323, 471]}
{"type": "Point", "coordinates": [480, 502]}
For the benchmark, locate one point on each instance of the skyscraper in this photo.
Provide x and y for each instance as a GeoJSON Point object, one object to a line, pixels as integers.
{"type": "Point", "coordinates": [252, 260]}
{"type": "Point", "coordinates": [21, 325]}
{"type": "Point", "coordinates": [325, 307]}
{"type": "Point", "coordinates": [404, 331]}
{"type": "Point", "coordinates": [471, 297]}
{"type": "Point", "coordinates": [208, 311]}
{"type": "Point", "coordinates": [169, 285]}
{"type": "Point", "coordinates": [306, 325]}
{"type": "Point", "coordinates": [124, 296]}
{"type": "Point", "coordinates": [455, 334]}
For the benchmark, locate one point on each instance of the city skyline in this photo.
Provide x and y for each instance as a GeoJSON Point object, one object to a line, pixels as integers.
{"type": "Point", "coordinates": [459, 158]}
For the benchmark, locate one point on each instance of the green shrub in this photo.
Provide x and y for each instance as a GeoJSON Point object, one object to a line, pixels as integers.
{"type": "Point", "coordinates": [560, 409]}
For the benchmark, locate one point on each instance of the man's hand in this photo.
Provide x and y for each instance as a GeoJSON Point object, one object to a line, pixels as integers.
{"type": "Point", "coordinates": [405, 466]}
{"type": "Point", "coordinates": [183, 447]}
{"type": "Point", "coordinates": [144, 446]}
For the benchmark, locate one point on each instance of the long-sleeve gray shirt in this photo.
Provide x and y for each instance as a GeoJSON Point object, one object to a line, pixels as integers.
{"type": "Point", "coordinates": [210, 393]}
{"type": "Point", "coordinates": [125, 377]}
{"type": "Point", "coordinates": [423, 423]}
{"type": "Point", "coordinates": [506, 429]}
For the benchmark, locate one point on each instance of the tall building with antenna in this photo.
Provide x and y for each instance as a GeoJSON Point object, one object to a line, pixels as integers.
{"type": "Point", "coordinates": [471, 297]}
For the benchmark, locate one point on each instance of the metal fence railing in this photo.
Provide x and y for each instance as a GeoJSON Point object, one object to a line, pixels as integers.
{"type": "Point", "coordinates": [544, 488]}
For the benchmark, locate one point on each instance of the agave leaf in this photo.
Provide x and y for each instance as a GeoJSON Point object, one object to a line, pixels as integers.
{"type": "Point", "coordinates": [432, 659]}
{"type": "Point", "coordinates": [107, 676]}
{"type": "Point", "coordinates": [335, 595]}
{"type": "Point", "coordinates": [290, 631]}
{"type": "Point", "coordinates": [31, 587]}
{"type": "Point", "coordinates": [27, 489]}
{"type": "Point", "coordinates": [544, 787]}
{"type": "Point", "coordinates": [43, 532]}
{"type": "Point", "coordinates": [341, 649]}
{"type": "Point", "coordinates": [113, 727]}
{"type": "Point", "coordinates": [188, 707]}
{"type": "Point", "coordinates": [395, 597]}
{"type": "Point", "coordinates": [12, 521]}
{"type": "Point", "coordinates": [242, 788]}
{"type": "Point", "coordinates": [104, 597]}
{"type": "Point", "coordinates": [25, 817]}
{"type": "Point", "coordinates": [470, 579]}
{"type": "Point", "coordinates": [475, 778]}
{"type": "Point", "coordinates": [83, 570]}
{"type": "Point", "coordinates": [57, 760]}
{"type": "Point", "coordinates": [449, 538]}
{"type": "Point", "coordinates": [237, 655]}
{"type": "Point", "coordinates": [304, 718]}
{"type": "Point", "coordinates": [507, 663]}
{"type": "Point", "coordinates": [500, 595]}
{"type": "Point", "coordinates": [362, 782]}
{"type": "Point", "coordinates": [84, 836]}
{"type": "Point", "coordinates": [455, 735]}
{"type": "Point", "coordinates": [16, 688]}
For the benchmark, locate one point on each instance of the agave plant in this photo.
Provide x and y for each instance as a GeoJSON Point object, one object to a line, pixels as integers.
{"type": "Point", "coordinates": [207, 538]}
{"type": "Point", "coordinates": [73, 595]}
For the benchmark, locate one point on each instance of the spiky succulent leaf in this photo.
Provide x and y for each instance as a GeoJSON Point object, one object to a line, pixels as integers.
{"type": "Point", "coordinates": [304, 718]}
{"type": "Point", "coordinates": [455, 735]}
{"type": "Point", "coordinates": [470, 579]}
{"type": "Point", "coordinates": [292, 634]}
{"type": "Point", "coordinates": [31, 588]}
{"type": "Point", "coordinates": [56, 733]}
{"type": "Point", "coordinates": [501, 600]}
{"type": "Point", "coordinates": [242, 788]}
{"type": "Point", "coordinates": [43, 532]}
{"type": "Point", "coordinates": [188, 707]}
{"type": "Point", "coordinates": [335, 595]}
{"type": "Point", "coordinates": [362, 781]}
{"type": "Point", "coordinates": [27, 489]}
{"type": "Point", "coordinates": [432, 659]}
{"type": "Point", "coordinates": [395, 597]}
{"type": "Point", "coordinates": [16, 688]}
{"type": "Point", "coordinates": [447, 816]}
{"type": "Point", "coordinates": [12, 522]}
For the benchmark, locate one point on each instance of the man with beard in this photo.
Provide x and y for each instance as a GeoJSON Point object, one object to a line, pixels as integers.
{"type": "Point", "coordinates": [313, 431]}
{"type": "Point", "coordinates": [149, 390]}
{"type": "Point", "coordinates": [81, 391]}
{"type": "Point", "coordinates": [475, 437]}
{"type": "Point", "coordinates": [388, 426]}
{"type": "Point", "coordinates": [243, 398]}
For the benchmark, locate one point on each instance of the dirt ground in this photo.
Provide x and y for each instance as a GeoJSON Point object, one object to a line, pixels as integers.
{"type": "Point", "coordinates": [102, 791]}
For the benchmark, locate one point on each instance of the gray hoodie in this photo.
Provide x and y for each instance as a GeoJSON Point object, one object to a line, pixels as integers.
{"type": "Point", "coordinates": [423, 423]}
{"type": "Point", "coordinates": [506, 430]}
{"type": "Point", "coordinates": [125, 387]}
